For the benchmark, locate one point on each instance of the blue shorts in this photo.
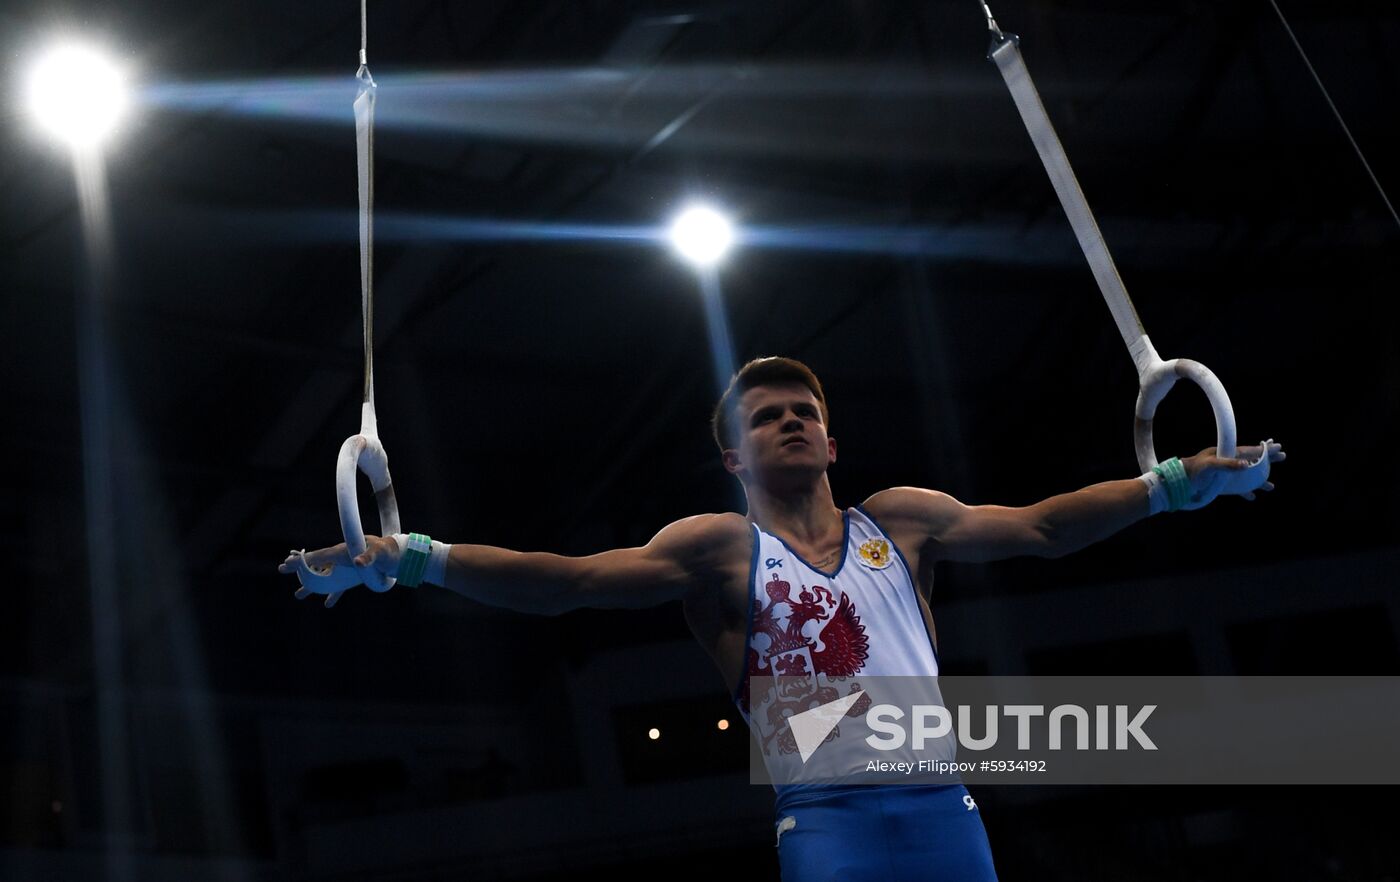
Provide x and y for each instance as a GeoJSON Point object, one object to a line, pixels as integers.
{"type": "Point", "coordinates": [902, 833]}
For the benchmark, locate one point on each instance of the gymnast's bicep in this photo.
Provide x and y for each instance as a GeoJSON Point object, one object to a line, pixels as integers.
{"type": "Point", "coordinates": [942, 528]}
{"type": "Point", "coordinates": [685, 556]}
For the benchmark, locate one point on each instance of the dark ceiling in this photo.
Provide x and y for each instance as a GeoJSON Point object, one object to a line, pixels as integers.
{"type": "Point", "coordinates": [544, 381]}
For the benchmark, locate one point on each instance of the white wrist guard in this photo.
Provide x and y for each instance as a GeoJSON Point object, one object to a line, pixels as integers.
{"type": "Point", "coordinates": [1157, 501]}
{"type": "Point", "coordinates": [436, 573]}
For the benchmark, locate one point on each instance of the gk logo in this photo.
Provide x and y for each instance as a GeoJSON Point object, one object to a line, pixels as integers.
{"type": "Point", "coordinates": [772, 562]}
{"type": "Point", "coordinates": [970, 803]}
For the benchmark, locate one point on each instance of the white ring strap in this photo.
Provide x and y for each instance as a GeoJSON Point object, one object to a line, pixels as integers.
{"type": "Point", "coordinates": [362, 452]}
{"type": "Point", "coordinates": [1155, 377]}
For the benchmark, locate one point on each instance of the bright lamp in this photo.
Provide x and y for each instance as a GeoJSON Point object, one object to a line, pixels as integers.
{"type": "Point", "coordinates": [77, 94]}
{"type": "Point", "coordinates": [701, 235]}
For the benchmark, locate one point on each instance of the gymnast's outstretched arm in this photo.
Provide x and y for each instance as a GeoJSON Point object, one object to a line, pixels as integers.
{"type": "Point", "coordinates": [690, 554]}
{"type": "Point", "coordinates": [940, 525]}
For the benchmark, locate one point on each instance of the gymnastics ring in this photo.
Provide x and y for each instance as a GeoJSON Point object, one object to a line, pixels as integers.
{"type": "Point", "coordinates": [359, 453]}
{"type": "Point", "coordinates": [1156, 378]}
{"type": "Point", "coordinates": [1155, 381]}
{"type": "Point", "coordinates": [364, 453]}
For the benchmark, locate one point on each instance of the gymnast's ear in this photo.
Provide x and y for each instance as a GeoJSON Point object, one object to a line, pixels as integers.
{"type": "Point", "coordinates": [733, 463]}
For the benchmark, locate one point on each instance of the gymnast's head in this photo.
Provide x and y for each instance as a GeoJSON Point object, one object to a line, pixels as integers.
{"type": "Point", "coordinates": [771, 423]}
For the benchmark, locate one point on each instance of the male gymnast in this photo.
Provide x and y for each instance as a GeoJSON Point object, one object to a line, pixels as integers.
{"type": "Point", "coordinates": [858, 608]}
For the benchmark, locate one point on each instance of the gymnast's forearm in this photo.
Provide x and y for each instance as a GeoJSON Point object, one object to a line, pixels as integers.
{"type": "Point", "coordinates": [1072, 521]}
{"type": "Point", "coordinates": [530, 582]}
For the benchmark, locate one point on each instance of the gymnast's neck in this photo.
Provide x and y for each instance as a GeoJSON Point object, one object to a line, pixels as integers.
{"type": "Point", "coordinates": [806, 513]}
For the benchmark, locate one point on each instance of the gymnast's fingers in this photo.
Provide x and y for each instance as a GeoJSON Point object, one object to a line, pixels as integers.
{"type": "Point", "coordinates": [302, 593]}
{"type": "Point", "coordinates": [331, 599]}
{"type": "Point", "coordinates": [321, 558]}
{"type": "Point", "coordinates": [382, 553]}
{"type": "Point", "coordinates": [370, 553]}
{"type": "Point", "coordinates": [1223, 463]}
{"type": "Point", "coordinates": [1253, 452]}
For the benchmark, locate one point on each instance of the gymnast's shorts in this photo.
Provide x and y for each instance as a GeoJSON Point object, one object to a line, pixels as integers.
{"type": "Point", "coordinates": [901, 833]}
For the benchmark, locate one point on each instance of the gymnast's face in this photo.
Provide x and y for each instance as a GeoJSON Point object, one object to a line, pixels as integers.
{"type": "Point", "coordinates": [781, 435]}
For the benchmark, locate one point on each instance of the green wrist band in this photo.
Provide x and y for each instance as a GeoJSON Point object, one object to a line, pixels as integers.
{"type": "Point", "coordinates": [1173, 474]}
{"type": "Point", "coordinates": [413, 561]}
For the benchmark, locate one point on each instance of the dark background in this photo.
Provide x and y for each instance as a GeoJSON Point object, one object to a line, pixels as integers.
{"type": "Point", "coordinates": [180, 716]}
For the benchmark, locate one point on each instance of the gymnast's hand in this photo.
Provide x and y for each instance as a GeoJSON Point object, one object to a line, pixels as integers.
{"type": "Point", "coordinates": [381, 554]}
{"type": "Point", "coordinates": [1212, 475]}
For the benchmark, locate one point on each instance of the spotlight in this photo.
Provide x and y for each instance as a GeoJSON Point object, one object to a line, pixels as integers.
{"type": "Point", "coordinates": [77, 94]}
{"type": "Point", "coordinates": [653, 734]}
{"type": "Point", "coordinates": [701, 235]}
{"type": "Point", "coordinates": [722, 725]}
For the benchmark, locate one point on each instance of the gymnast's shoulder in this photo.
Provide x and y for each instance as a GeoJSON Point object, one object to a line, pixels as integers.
{"type": "Point", "coordinates": [912, 515]}
{"type": "Point", "coordinates": [910, 503]}
{"type": "Point", "coordinates": [703, 536]}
